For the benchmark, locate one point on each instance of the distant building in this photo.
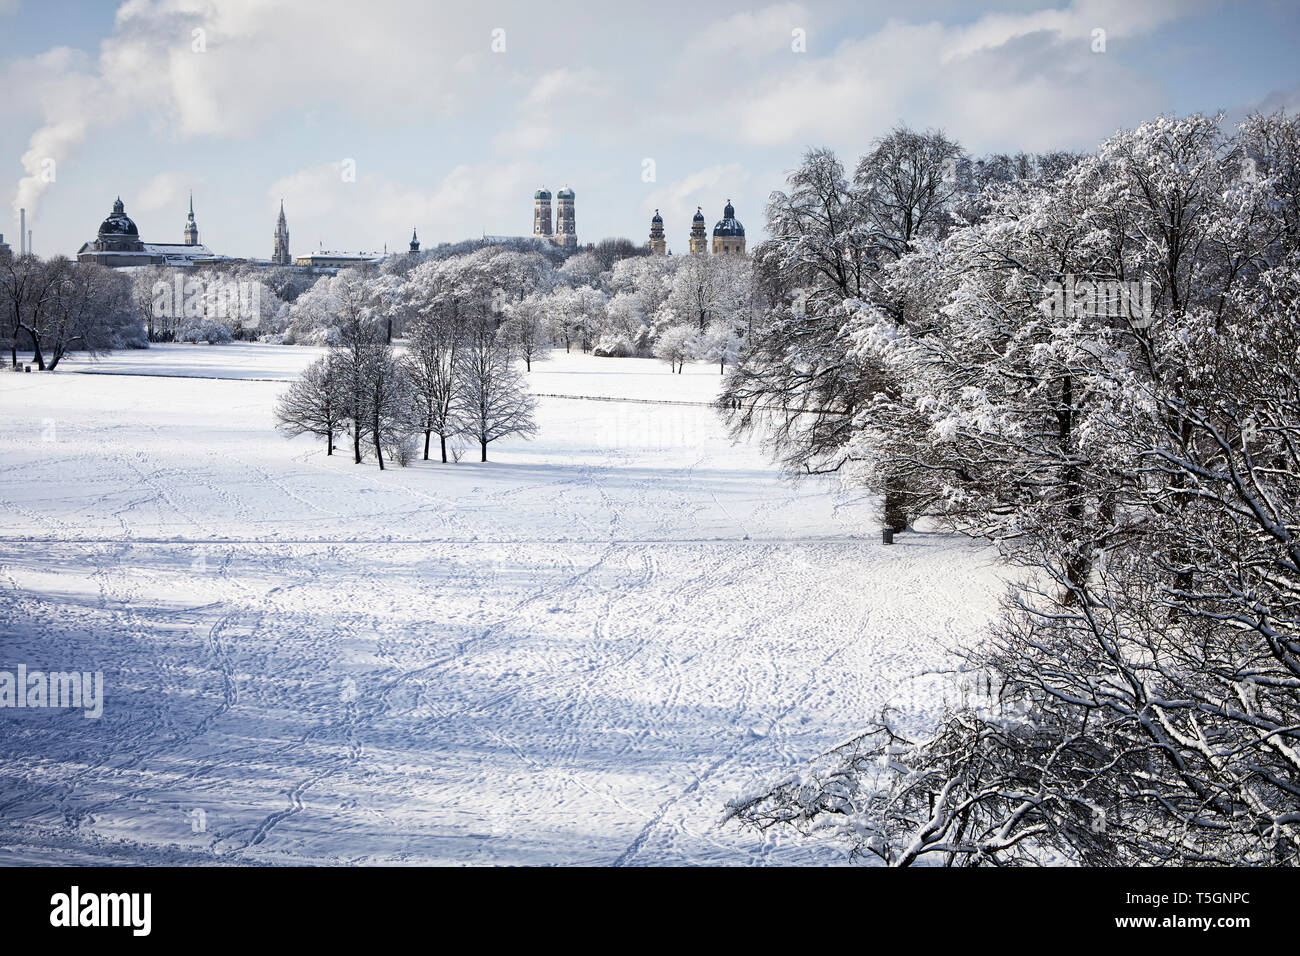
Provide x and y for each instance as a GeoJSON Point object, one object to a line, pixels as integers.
{"type": "Point", "coordinates": [280, 256]}
{"type": "Point", "coordinates": [542, 214]}
{"type": "Point", "coordinates": [729, 234]}
{"type": "Point", "coordinates": [699, 242]}
{"type": "Point", "coordinates": [566, 233]}
{"type": "Point", "coordinates": [658, 245]}
{"type": "Point", "coordinates": [118, 245]}
{"type": "Point", "coordinates": [415, 243]}
{"type": "Point", "coordinates": [325, 259]}
{"type": "Point", "coordinates": [191, 227]}
{"type": "Point", "coordinates": [4, 246]}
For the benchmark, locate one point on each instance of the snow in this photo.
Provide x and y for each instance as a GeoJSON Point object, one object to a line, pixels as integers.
{"type": "Point", "coordinates": [575, 653]}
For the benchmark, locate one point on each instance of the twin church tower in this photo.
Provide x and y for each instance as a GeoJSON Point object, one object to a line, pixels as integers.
{"type": "Point", "coordinates": [728, 232]}
{"type": "Point", "coordinates": [565, 233]}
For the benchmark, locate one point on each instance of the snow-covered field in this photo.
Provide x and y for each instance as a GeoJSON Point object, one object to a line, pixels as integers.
{"type": "Point", "coordinates": [575, 653]}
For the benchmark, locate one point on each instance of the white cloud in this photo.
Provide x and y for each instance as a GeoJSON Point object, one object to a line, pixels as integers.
{"type": "Point", "coordinates": [168, 190]}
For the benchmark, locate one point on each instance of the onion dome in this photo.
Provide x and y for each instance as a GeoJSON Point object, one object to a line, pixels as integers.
{"type": "Point", "coordinates": [118, 222]}
{"type": "Point", "coordinates": [729, 225]}
{"type": "Point", "coordinates": [542, 193]}
{"type": "Point", "coordinates": [564, 194]}
{"type": "Point", "coordinates": [699, 215]}
{"type": "Point", "coordinates": [657, 218]}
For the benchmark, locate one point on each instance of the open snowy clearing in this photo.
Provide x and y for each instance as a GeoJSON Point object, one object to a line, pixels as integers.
{"type": "Point", "coordinates": [575, 653]}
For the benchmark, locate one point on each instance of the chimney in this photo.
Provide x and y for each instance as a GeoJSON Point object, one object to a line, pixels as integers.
{"type": "Point", "coordinates": [22, 231]}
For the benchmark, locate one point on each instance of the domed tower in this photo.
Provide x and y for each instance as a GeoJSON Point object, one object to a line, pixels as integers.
{"type": "Point", "coordinates": [415, 243]}
{"type": "Point", "coordinates": [281, 255]}
{"type": "Point", "coordinates": [699, 240]}
{"type": "Point", "coordinates": [191, 227]}
{"type": "Point", "coordinates": [542, 213]}
{"type": "Point", "coordinates": [565, 232]}
{"type": "Point", "coordinates": [729, 234]}
{"type": "Point", "coordinates": [658, 246]}
{"type": "Point", "coordinates": [118, 233]}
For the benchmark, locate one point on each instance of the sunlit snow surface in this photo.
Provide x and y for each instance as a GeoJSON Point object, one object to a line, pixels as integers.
{"type": "Point", "coordinates": [575, 653]}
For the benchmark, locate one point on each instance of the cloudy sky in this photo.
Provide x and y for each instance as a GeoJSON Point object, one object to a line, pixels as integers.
{"type": "Point", "coordinates": [371, 118]}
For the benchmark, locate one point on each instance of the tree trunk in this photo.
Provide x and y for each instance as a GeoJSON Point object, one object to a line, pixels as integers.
{"type": "Point", "coordinates": [356, 445]}
{"type": "Point", "coordinates": [895, 508]}
{"type": "Point", "coordinates": [483, 443]}
{"type": "Point", "coordinates": [37, 356]}
{"type": "Point", "coordinates": [329, 441]}
{"type": "Point", "coordinates": [443, 439]}
{"type": "Point", "coordinates": [426, 444]}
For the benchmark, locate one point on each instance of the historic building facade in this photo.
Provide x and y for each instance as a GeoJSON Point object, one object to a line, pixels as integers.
{"type": "Point", "coordinates": [728, 234]}
{"type": "Point", "coordinates": [118, 244]}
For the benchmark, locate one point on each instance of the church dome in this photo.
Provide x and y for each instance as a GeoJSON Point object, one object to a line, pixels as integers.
{"type": "Point", "coordinates": [729, 225]}
{"type": "Point", "coordinates": [564, 194]}
{"type": "Point", "coordinates": [542, 194]}
{"type": "Point", "coordinates": [118, 223]}
{"type": "Point", "coordinates": [699, 215]}
{"type": "Point", "coordinates": [656, 217]}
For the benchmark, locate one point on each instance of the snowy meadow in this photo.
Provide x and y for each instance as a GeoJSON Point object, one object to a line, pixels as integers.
{"type": "Point", "coordinates": [574, 653]}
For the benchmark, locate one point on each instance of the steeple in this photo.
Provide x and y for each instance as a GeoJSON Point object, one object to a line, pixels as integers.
{"type": "Point", "coordinates": [699, 238]}
{"type": "Point", "coordinates": [415, 243]}
{"type": "Point", "coordinates": [191, 227]}
{"type": "Point", "coordinates": [281, 255]}
{"type": "Point", "coordinates": [658, 245]}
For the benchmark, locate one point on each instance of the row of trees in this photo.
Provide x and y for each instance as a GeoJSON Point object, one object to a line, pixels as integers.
{"type": "Point", "coordinates": [457, 378]}
{"type": "Point", "coordinates": [52, 307]}
{"type": "Point", "coordinates": [1139, 702]}
{"type": "Point", "coordinates": [578, 304]}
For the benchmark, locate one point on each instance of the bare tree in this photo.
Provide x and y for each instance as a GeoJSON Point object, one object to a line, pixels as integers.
{"type": "Point", "coordinates": [492, 399]}
{"type": "Point", "coordinates": [314, 404]}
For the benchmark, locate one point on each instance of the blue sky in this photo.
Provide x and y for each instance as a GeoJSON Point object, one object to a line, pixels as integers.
{"type": "Point", "coordinates": [452, 136]}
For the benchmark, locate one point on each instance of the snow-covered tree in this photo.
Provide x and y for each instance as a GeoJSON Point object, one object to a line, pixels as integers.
{"type": "Point", "coordinates": [675, 345]}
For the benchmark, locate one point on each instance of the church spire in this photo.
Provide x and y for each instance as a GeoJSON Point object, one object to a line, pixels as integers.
{"type": "Point", "coordinates": [281, 255]}
{"type": "Point", "coordinates": [191, 227]}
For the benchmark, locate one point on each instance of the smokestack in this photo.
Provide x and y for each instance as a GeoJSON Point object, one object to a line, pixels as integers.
{"type": "Point", "coordinates": [29, 240]}
{"type": "Point", "coordinates": [22, 231]}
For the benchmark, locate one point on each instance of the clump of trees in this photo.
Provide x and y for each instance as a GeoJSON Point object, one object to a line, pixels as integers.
{"type": "Point", "coordinates": [455, 379]}
{"type": "Point", "coordinates": [54, 307]}
{"type": "Point", "coordinates": [981, 353]}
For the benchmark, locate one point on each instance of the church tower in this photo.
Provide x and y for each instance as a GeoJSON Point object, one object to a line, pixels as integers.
{"type": "Point", "coordinates": [542, 213]}
{"type": "Point", "coordinates": [699, 238]}
{"type": "Point", "coordinates": [658, 246]}
{"type": "Point", "coordinates": [415, 243]}
{"type": "Point", "coordinates": [565, 232]}
{"type": "Point", "coordinates": [281, 254]}
{"type": "Point", "coordinates": [191, 227]}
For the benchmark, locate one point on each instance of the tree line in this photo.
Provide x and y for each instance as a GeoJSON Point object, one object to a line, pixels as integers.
{"type": "Point", "coordinates": [52, 307]}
